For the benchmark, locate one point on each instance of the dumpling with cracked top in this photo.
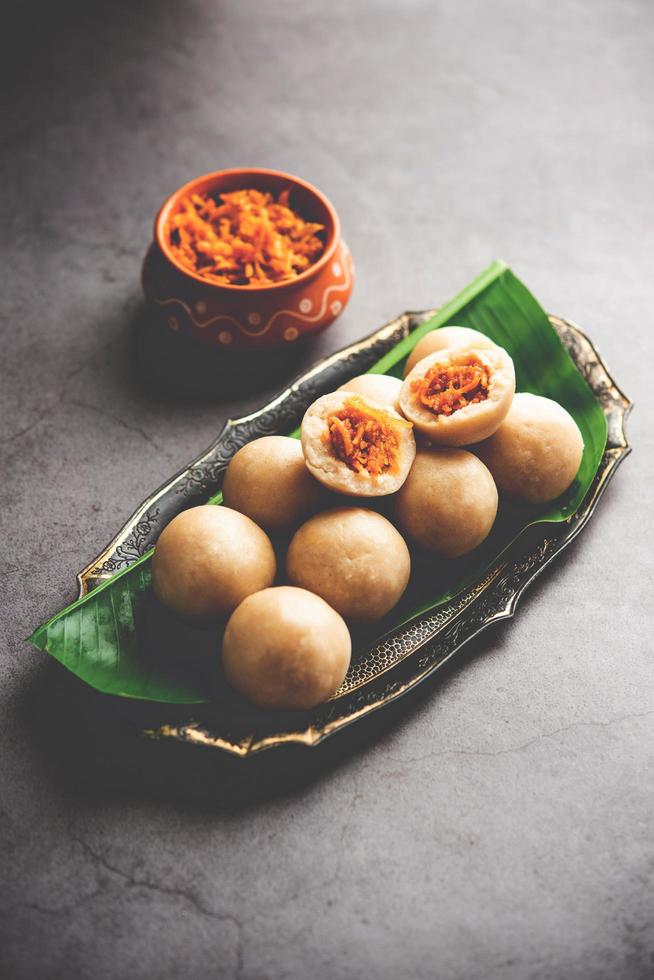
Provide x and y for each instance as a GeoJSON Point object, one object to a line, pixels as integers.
{"type": "Point", "coordinates": [356, 445]}
{"type": "Point", "coordinates": [445, 338]}
{"type": "Point", "coordinates": [459, 396]}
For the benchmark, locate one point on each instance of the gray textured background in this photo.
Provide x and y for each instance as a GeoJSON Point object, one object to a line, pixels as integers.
{"type": "Point", "coordinates": [498, 826]}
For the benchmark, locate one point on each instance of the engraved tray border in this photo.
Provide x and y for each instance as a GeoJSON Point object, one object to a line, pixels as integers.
{"type": "Point", "coordinates": [410, 654]}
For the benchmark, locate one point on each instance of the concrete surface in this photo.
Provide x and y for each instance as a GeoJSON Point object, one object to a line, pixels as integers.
{"type": "Point", "coordinates": [500, 825]}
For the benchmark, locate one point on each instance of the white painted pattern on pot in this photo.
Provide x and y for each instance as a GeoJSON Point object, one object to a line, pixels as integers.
{"type": "Point", "coordinates": [345, 267]}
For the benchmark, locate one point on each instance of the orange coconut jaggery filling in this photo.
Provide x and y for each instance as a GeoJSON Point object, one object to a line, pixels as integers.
{"type": "Point", "coordinates": [243, 237]}
{"type": "Point", "coordinates": [364, 438]}
{"type": "Point", "coordinates": [446, 388]}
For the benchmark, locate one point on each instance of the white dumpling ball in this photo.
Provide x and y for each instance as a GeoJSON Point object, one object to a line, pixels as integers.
{"type": "Point", "coordinates": [268, 480]}
{"type": "Point", "coordinates": [382, 388]}
{"type": "Point", "coordinates": [286, 648]}
{"type": "Point", "coordinates": [448, 504]}
{"type": "Point", "coordinates": [536, 452]}
{"type": "Point", "coordinates": [446, 337]}
{"type": "Point", "coordinates": [207, 560]}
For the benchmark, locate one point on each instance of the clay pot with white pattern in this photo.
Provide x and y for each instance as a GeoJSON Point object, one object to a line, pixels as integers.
{"type": "Point", "coordinates": [240, 317]}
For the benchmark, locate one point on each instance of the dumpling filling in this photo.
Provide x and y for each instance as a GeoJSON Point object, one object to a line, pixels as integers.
{"type": "Point", "coordinates": [365, 439]}
{"type": "Point", "coordinates": [444, 389]}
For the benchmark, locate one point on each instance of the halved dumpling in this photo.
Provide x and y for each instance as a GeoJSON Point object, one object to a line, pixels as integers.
{"type": "Point", "coordinates": [446, 338]}
{"type": "Point", "coordinates": [383, 388]}
{"type": "Point", "coordinates": [459, 396]}
{"type": "Point", "coordinates": [357, 446]}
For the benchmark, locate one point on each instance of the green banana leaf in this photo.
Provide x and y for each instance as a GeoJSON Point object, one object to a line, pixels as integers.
{"type": "Point", "coordinates": [111, 638]}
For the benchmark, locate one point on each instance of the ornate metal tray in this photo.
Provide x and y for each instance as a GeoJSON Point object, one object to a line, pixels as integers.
{"type": "Point", "coordinates": [405, 657]}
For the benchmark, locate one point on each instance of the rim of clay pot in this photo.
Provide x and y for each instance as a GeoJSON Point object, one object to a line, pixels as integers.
{"type": "Point", "coordinates": [333, 229]}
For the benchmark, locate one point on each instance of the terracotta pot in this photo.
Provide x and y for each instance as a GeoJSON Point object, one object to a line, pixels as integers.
{"type": "Point", "coordinates": [238, 317]}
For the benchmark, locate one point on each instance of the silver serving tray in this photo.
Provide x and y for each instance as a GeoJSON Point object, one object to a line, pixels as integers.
{"type": "Point", "coordinates": [405, 657]}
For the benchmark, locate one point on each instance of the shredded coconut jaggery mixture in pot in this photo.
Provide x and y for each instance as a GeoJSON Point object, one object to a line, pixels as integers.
{"type": "Point", "coordinates": [243, 237]}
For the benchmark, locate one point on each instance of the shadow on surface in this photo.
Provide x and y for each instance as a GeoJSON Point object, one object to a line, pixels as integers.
{"type": "Point", "coordinates": [54, 32]}
{"type": "Point", "coordinates": [170, 364]}
{"type": "Point", "coordinates": [93, 748]}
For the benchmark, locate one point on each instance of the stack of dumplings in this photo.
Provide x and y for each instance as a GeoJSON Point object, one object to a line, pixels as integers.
{"type": "Point", "coordinates": [438, 445]}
